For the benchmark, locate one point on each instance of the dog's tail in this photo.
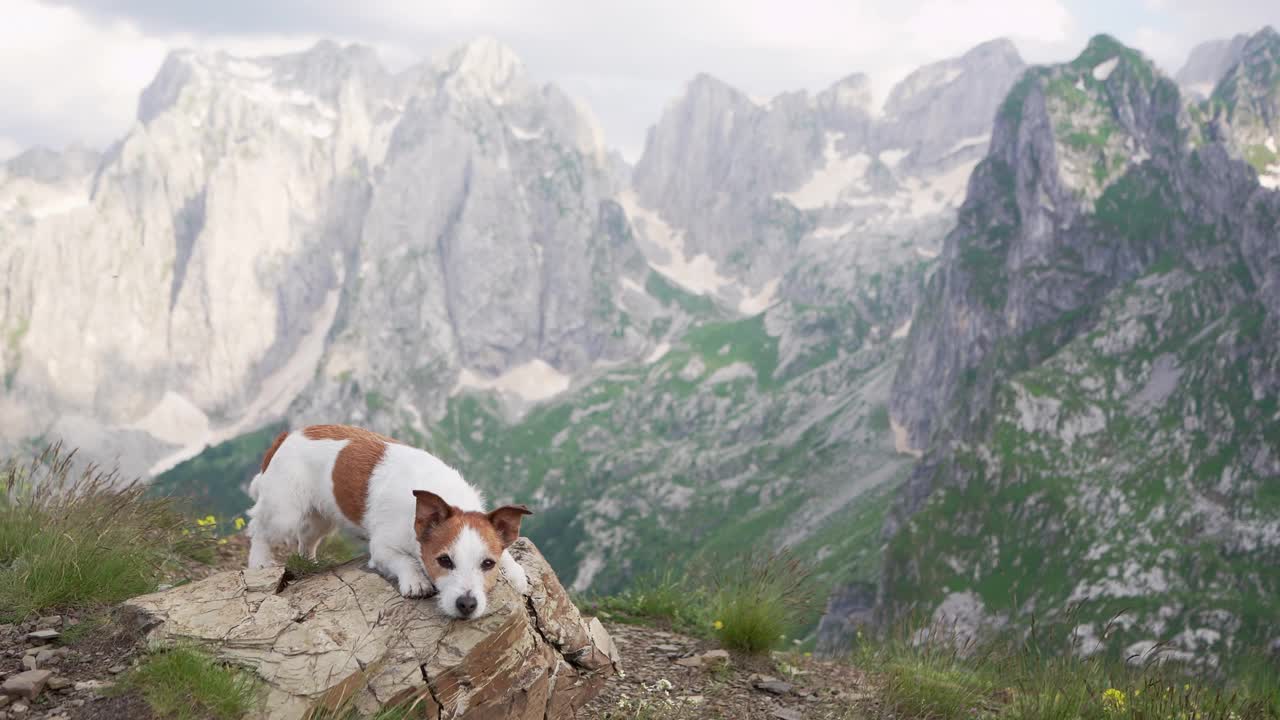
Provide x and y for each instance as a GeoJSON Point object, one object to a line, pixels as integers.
{"type": "Point", "coordinates": [266, 461]}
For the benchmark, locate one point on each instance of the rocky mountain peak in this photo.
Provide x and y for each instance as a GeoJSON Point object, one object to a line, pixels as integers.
{"type": "Point", "coordinates": [1207, 63]}
{"type": "Point", "coordinates": [850, 94]}
{"type": "Point", "coordinates": [482, 68]}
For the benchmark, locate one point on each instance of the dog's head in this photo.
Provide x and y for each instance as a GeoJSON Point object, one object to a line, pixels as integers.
{"type": "Point", "coordinates": [461, 550]}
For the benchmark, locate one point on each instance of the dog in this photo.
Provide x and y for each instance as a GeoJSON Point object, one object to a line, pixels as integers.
{"type": "Point", "coordinates": [426, 526]}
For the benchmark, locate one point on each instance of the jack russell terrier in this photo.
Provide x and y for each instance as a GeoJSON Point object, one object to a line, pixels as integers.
{"type": "Point", "coordinates": [440, 543]}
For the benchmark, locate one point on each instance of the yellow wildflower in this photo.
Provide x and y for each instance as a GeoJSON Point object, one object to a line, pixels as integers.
{"type": "Point", "coordinates": [1113, 700]}
{"type": "Point", "coordinates": [239, 523]}
{"type": "Point", "coordinates": [717, 625]}
{"type": "Point", "coordinates": [222, 541]}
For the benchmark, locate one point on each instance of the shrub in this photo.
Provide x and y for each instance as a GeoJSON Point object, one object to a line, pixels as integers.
{"type": "Point", "coordinates": [71, 540]}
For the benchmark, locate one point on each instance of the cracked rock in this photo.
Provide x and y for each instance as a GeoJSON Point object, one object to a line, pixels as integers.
{"type": "Point", "coordinates": [363, 645]}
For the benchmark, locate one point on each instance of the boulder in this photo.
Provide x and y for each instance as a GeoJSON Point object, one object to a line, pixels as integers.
{"type": "Point", "coordinates": [344, 638]}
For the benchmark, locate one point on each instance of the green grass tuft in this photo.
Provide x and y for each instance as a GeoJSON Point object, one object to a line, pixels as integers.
{"type": "Point", "coordinates": [186, 683]}
{"type": "Point", "coordinates": [757, 602]}
{"type": "Point", "coordinates": [82, 541]}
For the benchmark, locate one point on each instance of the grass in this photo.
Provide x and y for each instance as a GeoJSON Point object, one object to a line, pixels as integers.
{"type": "Point", "coordinates": [932, 674]}
{"type": "Point", "coordinates": [751, 606]}
{"type": "Point", "coordinates": [82, 540]}
{"type": "Point", "coordinates": [185, 683]}
{"type": "Point", "coordinates": [759, 601]}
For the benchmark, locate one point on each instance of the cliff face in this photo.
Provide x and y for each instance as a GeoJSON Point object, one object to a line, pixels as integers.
{"type": "Point", "coordinates": [1089, 372]}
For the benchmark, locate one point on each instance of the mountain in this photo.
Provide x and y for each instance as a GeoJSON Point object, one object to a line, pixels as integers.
{"type": "Point", "coordinates": [1091, 373]}
{"type": "Point", "coordinates": [670, 367]}
{"type": "Point", "coordinates": [266, 218]}
{"type": "Point", "coordinates": [1207, 63]}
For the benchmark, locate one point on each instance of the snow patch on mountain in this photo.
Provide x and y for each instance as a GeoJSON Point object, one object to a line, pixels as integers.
{"type": "Point", "coordinates": [533, 381]}
{"type": "Point", "coordinates": [838, 174]}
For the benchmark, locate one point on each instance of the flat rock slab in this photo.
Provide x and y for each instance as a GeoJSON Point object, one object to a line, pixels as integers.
{"type": "Point", "coordinates": [345, 637]}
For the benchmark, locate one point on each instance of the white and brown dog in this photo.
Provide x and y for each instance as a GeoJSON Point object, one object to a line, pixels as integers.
{"type": "Point", "coordinates": [325, 476]}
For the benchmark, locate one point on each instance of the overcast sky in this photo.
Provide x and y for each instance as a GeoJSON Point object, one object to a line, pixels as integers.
{"type": "Point", "coordinates": [71, 70]}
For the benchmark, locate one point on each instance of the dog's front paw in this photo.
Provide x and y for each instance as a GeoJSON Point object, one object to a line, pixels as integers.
{"type": "Point", "coordinates": [417, 588]}
{"type": "Point", "coordinates": [519, 581]}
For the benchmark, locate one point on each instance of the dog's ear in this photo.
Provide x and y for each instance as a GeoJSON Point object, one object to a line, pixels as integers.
{"type": "Point", "coordinates": [432, 510]}
{"type": "Point", "coordinates": [506, 520]}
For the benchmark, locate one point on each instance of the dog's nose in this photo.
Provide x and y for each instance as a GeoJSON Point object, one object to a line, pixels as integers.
{"type": "Point", "coordinates": [466, 605]}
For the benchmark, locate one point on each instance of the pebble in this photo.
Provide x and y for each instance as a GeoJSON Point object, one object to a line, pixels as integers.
{"type": "Point", "coordinates": [4, 700]}
{"type": "Point", "coordinates": [787, 714]}
{"type": "Point", "coordinates": [59, 683]}
{"type": "Point", "coordinates": [775, 687]}
{"type": "Point", "coordinates": [18, 710]}
{"type": "Point", "coordinates": [49, 621]}
{"type": "Point", "coordinates": [90, 685]}
{"type": "Point", "coordinates": [78, 702]}
{"type": "Point", "coordinates": [667, 648]}
{"type": "Point", "coordinates": [29, 662]}
{"type": "Point", "coordinates": [46, 657]}
{"type": "Point", "coordinates": [43, 636]}
{"type": "Point", "coordinates": [62, 652]}
{"type": "Point", "coordinates": [117, 669]}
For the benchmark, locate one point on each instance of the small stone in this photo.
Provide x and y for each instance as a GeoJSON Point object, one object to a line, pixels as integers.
{"type": "Point", "coordinates": [62, 652]}
{"type": "Point", "coordinates": [757, 678]}
{"type": "Point", "coordinates": [49, 621]}
{"type": "Point", "coordinates": [59, 683]}
{"type": "Point", "coordinates": [46, 657]}
{"type": "Point", "coordinates": [93, 685]}
{"type": "Point", "coordinates": [694, 699]}
{"type": "Point", "coordinates": [29, 662]}
{"type": "Point", "coordinates": [117, 669]}
{"type": "Point", "coordinates": [26, 684]}
{"type": "Point", "coordinates": [77, 702]}
{"type": "Point", "coordinates": [667, 648]}
{"type": "Point", "coordinates": [4, 700]}
{"type": "Point", "coordinates": [72, 622]}
{"type": "Point", "coordinates": [692, 662]}
{"type": "Point", "coordinates": [43, 636]}
{"type": "Point", "coordinates": [776, 687]}
{"type": "Point", "coordinates": [18, 710]}
{"type": "Point", "coordinates": [787, 714]}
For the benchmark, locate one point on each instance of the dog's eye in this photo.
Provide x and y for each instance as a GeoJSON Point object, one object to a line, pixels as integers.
{"type": "Point", "coordinates": [487, 564]}
{"type": "Point", "coordinates": [445, 562]}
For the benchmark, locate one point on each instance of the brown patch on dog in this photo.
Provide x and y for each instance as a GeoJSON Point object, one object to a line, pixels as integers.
{"type": "Point", "coordinates": [506, 522]}
{"type": "Point", "coordinates": [271, 451]}
{"type": "Point", "coordinates": [354, 464]}
{"type": "Point", "coordinates": [438, 525]}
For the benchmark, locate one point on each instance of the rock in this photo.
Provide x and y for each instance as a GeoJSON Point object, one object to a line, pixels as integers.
{"type": "Point", "coordinates": [345, 634]}
{"type": "Point", "coordinates": [46, 657]}
{"type": "Point", "coordinates": [117, 669]}
{"type": "Point", "coordinates": [708, 660]}
{"type": "Point", "coordinates": [29, 662]}
{"type": "Point", "coordinates": [43, 636]}
{"type": "Point", "coordinates": [62, 652]}
{"type": "Point", "coordinates": [89, 685]}
{"type": "Point", "coordinates": [787, 714]}
{"type": "Point", "coordinates": [775, 687]}
{"type": "Point", "coordinates": [4, 700]}
{"type": "Point", "coordinates": [667, 648]}
{"type": "Point", "coordinates": [18, 710]}
{"type": "Point", "coordinates": [49, 621]}
{"type": "Point", "coordinates": [59, 683]}
{"type": "Point", "coordinates": [26, 684]}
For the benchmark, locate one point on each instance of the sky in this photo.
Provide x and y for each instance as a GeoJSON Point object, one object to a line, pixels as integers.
{"type": "Point", "coordinates": [71, 70]}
